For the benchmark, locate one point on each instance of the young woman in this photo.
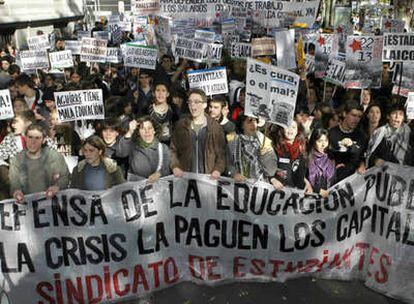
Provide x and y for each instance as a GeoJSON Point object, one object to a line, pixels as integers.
{"type": "Point", "coordinates": [14, 142]}
{"type": "Point", "coordinates": [148, 158]}
{"type": "Point", "coordinates": [162, 113]}
{"type": "Point", "coordinates": [371, 119]}
{"type": "Point", "coordinates": [321, 168]}
{"type": "Point", "coordinates": [96, 172]}
{"type": "Point", "coordinates": [290, 147]}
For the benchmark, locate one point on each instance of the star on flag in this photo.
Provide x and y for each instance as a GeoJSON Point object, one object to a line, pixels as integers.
{"type": "Point", "coordinates": [387, 24]}
{"type": "Point", "coordinates": [355, 45]}
{"type": "Point", "coordinates": [321, 41]}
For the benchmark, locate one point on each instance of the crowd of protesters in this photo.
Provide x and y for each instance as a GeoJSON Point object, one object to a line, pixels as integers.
{"type": "Point", "coordinates": [156, 126]}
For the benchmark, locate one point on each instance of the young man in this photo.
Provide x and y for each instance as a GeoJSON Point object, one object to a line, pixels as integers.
{"type": "Point", "coordinates": [198, 144]}
{"type": "Point", "coordinates": [32, 95]}
{"type": "Point", "coordinates": [392, 142]}
{"type": "Point", "coordinates": [348, 142]}
{"type": "Point", "coordinates": [216, 110]}
{"type": "Point", "coordinates": [37, 168]}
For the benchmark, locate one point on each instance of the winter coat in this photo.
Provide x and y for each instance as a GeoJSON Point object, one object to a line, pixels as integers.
{"type": "Point", "coordinates": [215, 146]}
{"type": "Point", "coordinates": [113, 174]}
{"type": "Point", "coordinates": [54, 164]}
{"type": "Point", "coordinates": [145, 161]}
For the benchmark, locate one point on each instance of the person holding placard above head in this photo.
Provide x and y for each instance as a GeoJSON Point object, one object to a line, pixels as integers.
{"type": "Point", "coordinates": [392, 142]}
{"type": "Point", "coordinates": [96, 171]}
{"type": "Point", "coordinates": [148, 158]}
{"type": "Point", "coordinates": [198, 144]}
{"type": "Point", "coordinates": [37, 168]}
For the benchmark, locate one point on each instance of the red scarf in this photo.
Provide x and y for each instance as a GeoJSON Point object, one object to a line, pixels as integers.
{"type": "Point", "coordinates": [292, 150]}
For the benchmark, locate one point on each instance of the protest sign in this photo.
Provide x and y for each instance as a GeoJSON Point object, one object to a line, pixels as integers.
{"type": "Point", "coordinates": [403, 78]}
{"type": "Point", "coordinates": [392, 25]}
{"type": "Point", "coordinates": [213, 53]}
{"type": "Point", "coordinates": [61, 60]}
{"type": "Point", "coordinates": [40, 42]}
{"type": "Point", "coordinates": [241, 50]}
{"type": "Point", "coordinates": [322, 52]}
{"type": "Point", "coordinates": [136, 238]}
{"type": "Point", "coordinates": [189, 49]}
{"type": "Point", "coordinates": [145, 7]}
{"type": "Point", "coordinates": [310, 63]}
{"type": "Point", "coordinates": [263, 47]}
{"type": "Point", "coordinates": [211, 81]}
{"type": "Point", "coordinates": [335, 72]}
{"type": "Point", "coordinates": [202, 12]}
{"type": "Point", "coordinates": [74, 46]}
{"type": "Point", "coordinates": [363, 62]}
{"type": "Point", "coordinates": [93, 50]}
{"type": "Point", "coordinates": [162, 30]}
{"type": "Point", "coordinates": [410, 106]}
{"type": "Point", "coordinates": [398, 47]}
{"type": "Point", "coordinates": [6, 105]}
{"type": "Point", "coordinates": [31, 60]}
{"type": "Point", "coordinates": [280, 14]}
{"type": "Point", "coordinates": [139, 56]}
{"type": "Point", "coordinates": [285, 49]}
{"type": "Point", "coordinates": [140, 27]}
{"type": "Point", "coordinates": [104, 35]}
{"type": "Point", "coordinates": [125, 26]}
{"type": "Point", "coordinates": [271, 92]}
{"type": "Point", "coordinates": [343, 28]}
{"type": "Point", "coordinates": [79, 105]}
{"type": "Point", "coordinates": [114, 55]}
{"type": "Point", "coordinates": [204, 36]}
{"type": "Point", "coordinates": [86, 34]}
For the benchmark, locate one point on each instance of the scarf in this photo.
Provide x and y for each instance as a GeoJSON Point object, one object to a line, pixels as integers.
{"type": "Point", "coordinates": [247, 156]}
{"type": "Point", "coordinates": [293, 150]}
{"type": "Point", "coordinates": [397, 141]}
{"type": "Point", "coordinates": [321, 169]}
{"type": "Point", "coordinates": [144, 145]}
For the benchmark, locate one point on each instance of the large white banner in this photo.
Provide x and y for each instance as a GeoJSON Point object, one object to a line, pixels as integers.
{"type": "Point", "coordinates": [79, 105]}
{"type": "Point", "coordinates": [211, 81]}
{"type": "Point", "coordinates": [104, 247]}
{"type": "Point", "coordinates": [6, 105]}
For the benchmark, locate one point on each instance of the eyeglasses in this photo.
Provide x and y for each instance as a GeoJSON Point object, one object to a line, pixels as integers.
{"type": "Point", "coordinates": [143, 76]}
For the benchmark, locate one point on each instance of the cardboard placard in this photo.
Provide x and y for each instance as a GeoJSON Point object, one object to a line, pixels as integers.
{"type": "Point", "coordinates": [211, 81]}
{"type": "Point", "coordinates": [6, 105]}
{"type": "Point", "coordinates": [79, 105]}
